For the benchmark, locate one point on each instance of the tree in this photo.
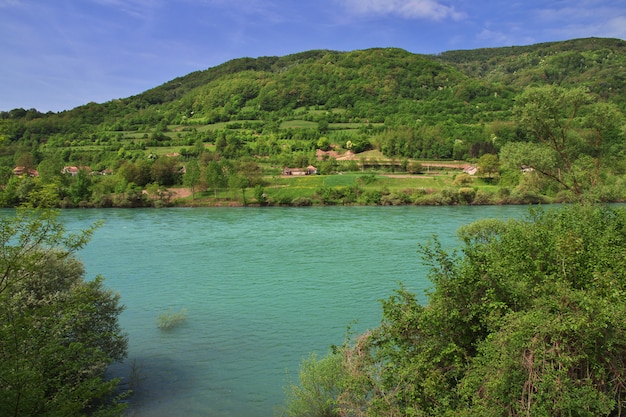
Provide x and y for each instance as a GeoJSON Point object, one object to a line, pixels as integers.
{"type": "Point", "coordinates": [165, 171]}
{"type": "Point", "coordinates": [192, 176]}
{"type": "Point", "coordinates": [251, 172]}
{"type": "Point", "coordinates": [488, 164]}
{"type": "Point", "coordinates": [323, 143]}
{"type": "Point", "coordinates": [80, 187]}
{"type": "Point", "coordinates": [527, 319]}
{"type": "Point", "coordinates": [215, 176]}
{"type": "Point", "coordinates": [58, 332]}
{"type": "Point", "coordinates": [576, 146]}
{"type": "Point", "coordinates": [604, 121]}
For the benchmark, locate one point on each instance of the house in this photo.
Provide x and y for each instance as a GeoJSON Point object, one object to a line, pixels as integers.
{"type": "Point", "coordinates": [73, 171]}
{"type": "Point", "coordinates": [470, 170]}
{"type": "Point", "coordinates": [310, 170]}
{"type": "Point", "coordinates": [20, 171]}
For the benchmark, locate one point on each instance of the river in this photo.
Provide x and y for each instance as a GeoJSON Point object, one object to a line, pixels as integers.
{"type": "Point", "coordinates": [262, 287]}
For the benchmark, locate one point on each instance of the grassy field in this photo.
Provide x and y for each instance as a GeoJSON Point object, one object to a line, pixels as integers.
{"type": "Point", "coordinates": [351, 188]}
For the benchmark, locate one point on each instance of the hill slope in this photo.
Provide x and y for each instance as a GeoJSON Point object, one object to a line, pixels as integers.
{"type": "Point", "coordinates": [372, 84]}
{"type": "Point", "coordinates": [252, 117]}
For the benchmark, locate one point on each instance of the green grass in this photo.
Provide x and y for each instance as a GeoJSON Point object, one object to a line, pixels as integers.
{"type": "Point", "coordinates": [298, 124]}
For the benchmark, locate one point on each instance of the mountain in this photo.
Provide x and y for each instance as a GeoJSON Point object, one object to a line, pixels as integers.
{"type": "Point", "coordinates": [374, 84]}
{"type": "Point", "coordinates": [237, 124]}
{"type": "Point", "coordinates": [596, 63]}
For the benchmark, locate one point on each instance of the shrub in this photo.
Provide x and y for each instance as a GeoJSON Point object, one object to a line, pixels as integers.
{"type": "Point", "coordinates": [463, 179]}
{"type": "Point", "coordinates": [528, 318]}
{"type": "Point", "coordinates": [301, 202]}
{"type": "Point", "coordinates": [448, 196]}
{"type": "Point", "coordinates": [284, 200]}
{"type": "Point", "coordinates": [394, 199]}
{"type": "Point", "coordinates": [58, 331]}
{"type": "Point", "coordinates": [415, 168]}
{"type": "Point", "coordinates": [372, 197]}
{"type": "Point", "coordinates": [466, 195]}
{"type": "Point", "coordinates": [171, 319]}
{"type": "Point", "coordinates": [317, 389]}
{"type": "Point", "coordinates": [483, 198]}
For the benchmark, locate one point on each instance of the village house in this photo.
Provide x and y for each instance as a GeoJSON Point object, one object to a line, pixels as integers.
{"type": "Point", "coordinates": [310, 170]}
{"type": "Point", "coordinates": [73, 171]}
{"type": "Point", "coordinates": [22, 171]}
{"type": "Point", "coordinates": [470, 169]}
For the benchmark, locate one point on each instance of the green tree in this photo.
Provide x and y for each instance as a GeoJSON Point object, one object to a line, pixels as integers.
{"type": "Point", "coordinates": [488, 164]}
{"type": "Point", "coordinates": [58, 332]}
{"type": "Point", "coordinates": [604, 122]}
{"type": "Point", "coordinates": [574, 147]}
{"type": "Point", "coordinates": [191, 178]}
{"type": "Point", "coordinates": [215, 176]}
{"type": "Point", "coordinates": [165, 171]}
{"type": "Point", "coordinates": [80, 187]}
{"type": "Point", "coordinates": [251, 172]}
{"type": "Point", "coordinates": [323, 143]}
{"type": "Point", "coordinates": [237, 181]}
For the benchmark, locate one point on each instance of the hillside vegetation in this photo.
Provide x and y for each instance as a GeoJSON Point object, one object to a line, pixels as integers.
{"type": "Point", "coordinates": [236, 126]}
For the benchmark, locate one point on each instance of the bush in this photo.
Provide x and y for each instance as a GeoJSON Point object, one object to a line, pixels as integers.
{"type": "Point", "coordinates": [171, 319]}
{"type": "Point", "coordinates": [283, 200]}
{"type": "Point", "coordinates": [466, 195]}
{"type": "Point", "coordinates": [483, 198]}
{"type": "Point", "coordinates": [462, 179]}
{"type": "Point", "coordinates": [448, 197]}
{"type": "Point", "coordinates": [301, 202]}
{"type": "Point", "coordinates": [58, 332]}
{"type": "Point", "coordinates": [372, 197]}
{"type": "Point", "coordinates": [394, 199]}
{"type": "Point", "coordinates": [527, 318]}
{"type": "Point", "coordinates": [316, 391]}
{"type": "Point", "coordinates": [415, 168]}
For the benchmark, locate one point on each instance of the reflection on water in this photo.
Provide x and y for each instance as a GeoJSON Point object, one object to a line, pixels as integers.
{"type": "Point", "coordinates": [262, 287]}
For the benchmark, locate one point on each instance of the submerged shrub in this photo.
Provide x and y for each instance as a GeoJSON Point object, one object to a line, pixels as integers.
{"type": "Point", "coordinates": [171, 319]}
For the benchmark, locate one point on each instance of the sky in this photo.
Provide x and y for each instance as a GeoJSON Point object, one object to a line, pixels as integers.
{"type": "Point", "coordinates": [57, 55]}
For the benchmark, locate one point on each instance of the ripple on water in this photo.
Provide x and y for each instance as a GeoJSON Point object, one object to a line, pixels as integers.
{"type": "Point", "coordinates": [262, 289]}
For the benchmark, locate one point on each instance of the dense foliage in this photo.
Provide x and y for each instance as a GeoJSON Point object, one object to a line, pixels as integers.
{"type": "Point", "coordinates": [277, 112]}
{"type": "Point", "coordinates": [529, 318]}
{"type": "Point", "coordinates": [58, 332]}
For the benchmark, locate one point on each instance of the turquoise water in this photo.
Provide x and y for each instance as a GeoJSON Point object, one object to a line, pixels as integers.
{"type": "Point", "coordinates": [262, 287]}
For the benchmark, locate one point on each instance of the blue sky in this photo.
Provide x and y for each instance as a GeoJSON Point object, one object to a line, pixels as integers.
{"type": "Point", "coordinates": [60, 54]}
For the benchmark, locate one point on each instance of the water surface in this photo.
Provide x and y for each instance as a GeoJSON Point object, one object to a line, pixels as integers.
{"type": "Point", "coordinates": [262, 287]}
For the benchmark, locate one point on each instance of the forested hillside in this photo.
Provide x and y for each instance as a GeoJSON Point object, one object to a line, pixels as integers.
{"type": "Point", "coordinates": [231, 127]}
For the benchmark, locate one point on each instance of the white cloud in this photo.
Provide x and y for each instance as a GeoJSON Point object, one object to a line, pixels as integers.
{"type": "Point", "coordinates": [410, 9]}
{"type": "Point", "coordinates": [585, 18]}
{"type": "Point", "coordinates": [615, 28]}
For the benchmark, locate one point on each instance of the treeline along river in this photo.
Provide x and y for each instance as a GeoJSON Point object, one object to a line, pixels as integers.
{"type": "Point", "coordinates": [262, 288]}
